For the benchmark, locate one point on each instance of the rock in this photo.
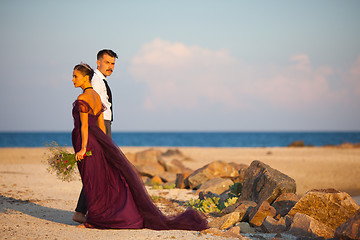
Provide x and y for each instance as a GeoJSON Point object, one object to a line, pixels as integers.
{"type": "Point", "coordinates": [327, 206]}
{"type": "Point", "coordinates": [263, 183]}
{"type": "Point", "coordinates": [173, 165]}
{"type": "Point", "coordinates": [304, 225]}
{"type": "Point", "coordinates": [180, 177]}
{"type": "Point", "coordinates": [168, 165]}
{"type": "Point", "coordinates": [241, 176]}
{"type": "Point", "coordinates": [149, 156]}
{"type": "Point", "coordinates": [246, 228]}
{"type": "Point", "coordinates": [238, 166]}
{"type": "Point", "coordinates": [172, 161]}
{"type": "Point", "coordinates": [146, 162]}
{"type": "Point", "coordinates": [299, 143]}
{"type": "Point", "coordinates": [260, 212]}
{"type": "Point", "coordinates": [168, 177]}
{"type": "Point", "coordinates": [215, 185]}
{"type": "Point", "coordinates": [212, 230]}
{"type": "Point", "coordinates": [234, 230]}
{"type": "Point", "coordinates": [277, 236]}
{"type": "Point", "coordinates": [349, 145]}
{"type": "Point", "coordinates": [284, 203]}
{"type": "Point", "coordinates": [243, 207]}
{"type": "Point", "coordinates": [156, 180]}
{"type": "Point", "coordinates": [203, 196]}
{"type": "Point", "coordinates": [179, 164]}
{"type": "Point", "coordinates": [241, 168]}
{"type": "Point", "coordinates": [224, 196]}
{"type": "Point", "coordinates": [350, 229]}
{"type": "Point", "coordinates": [149, 170]}
{"type": "Point", "coordinates": [270, 225]}
{"type": "Point", "coordinates": [226, 234]}
{"type": "Point", "coordinates": [173, 152]}
{"type": "Point", "coordinates": [226, 221]}
{"type": "Point", "coordinates": [210, 171]}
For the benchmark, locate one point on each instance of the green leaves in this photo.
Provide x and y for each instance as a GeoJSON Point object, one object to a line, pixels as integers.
{"type": "Point", "coordinates": [215, 204]}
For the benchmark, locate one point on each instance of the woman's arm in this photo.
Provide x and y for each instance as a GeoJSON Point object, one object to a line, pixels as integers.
{"type": "Point", "coordinates": [101, 123]}
{"type": "Point", "coordinates": [84, 135]}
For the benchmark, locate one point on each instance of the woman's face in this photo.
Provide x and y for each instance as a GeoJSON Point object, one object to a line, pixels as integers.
{"type": "Point", "coordinates": [78, 78]}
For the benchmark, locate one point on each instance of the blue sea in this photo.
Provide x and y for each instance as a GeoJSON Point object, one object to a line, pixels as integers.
{"type": "Point", "coordinates": [187, 139]}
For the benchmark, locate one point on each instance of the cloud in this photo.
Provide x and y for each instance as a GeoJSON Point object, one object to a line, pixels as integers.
{"type": "Point", "coordinates": [191, 77]}
{"type": "Point", "coordinates": [302, 62]}
{"type": "Point", "coordinates": [354, 78]}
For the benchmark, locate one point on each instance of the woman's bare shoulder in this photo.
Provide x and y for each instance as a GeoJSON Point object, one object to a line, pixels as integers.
{"type": "Point", "coordinates": [81, 97]}
{"type": "Point", "coordinates": [86, 96]}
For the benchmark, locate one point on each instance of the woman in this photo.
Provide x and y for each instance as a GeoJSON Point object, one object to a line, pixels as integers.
{"type": "Point", "coordinates": [115, 195]}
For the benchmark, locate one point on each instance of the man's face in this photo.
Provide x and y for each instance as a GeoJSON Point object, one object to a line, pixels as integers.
{"type": "Point", "coordinates": [106, 65]}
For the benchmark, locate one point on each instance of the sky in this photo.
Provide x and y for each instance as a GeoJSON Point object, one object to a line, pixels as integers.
{"type": "Point", "coordinates": [190, 65]}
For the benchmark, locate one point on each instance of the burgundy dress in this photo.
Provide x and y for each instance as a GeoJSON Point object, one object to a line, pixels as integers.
{"type": "Point", "coordinates": [115, 195]}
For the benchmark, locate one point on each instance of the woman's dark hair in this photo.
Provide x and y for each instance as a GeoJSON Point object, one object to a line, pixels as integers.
{"type": "Point", "coordinates": [109, 52]}
{"type": "Point", "coordinates": [85, 70]}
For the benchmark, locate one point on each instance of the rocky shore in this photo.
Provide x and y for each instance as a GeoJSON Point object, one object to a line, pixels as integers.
{"type": "Point", "coordinates": [286, 193]}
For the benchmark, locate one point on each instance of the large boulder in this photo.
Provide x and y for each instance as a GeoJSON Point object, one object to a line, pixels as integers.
{"type": "Point", "coordinates": [212, 170]}
{"type": "Point", "coordinates": [215, 185]}
{"type": "Point", "coordinates": [168, 177]}
{"type": "Point", "coordinates": [171, 165]}
{"type": "Point", "coordinates": [147, 162]}
{"type": "Point", "coordinates": [327, 206]}
{"type": "Point", "coordinates": [172, 161]}
{"type": "Point", "coordinates": [350, 229]}
{"type": "Point", "coordinates": [263, 183]}
{"type": "Point", "coordinates": [149, 170]}
{"type": "Point", "coordinates": [306, 226]}
{"type": "Point", "coordinates": [149, 156]}
{"type": "Point", "coordinates": [179, 164]}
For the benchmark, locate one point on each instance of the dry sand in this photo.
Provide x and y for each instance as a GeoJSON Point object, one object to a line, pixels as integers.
{"type": "Point", "coordinates": [36, 205]}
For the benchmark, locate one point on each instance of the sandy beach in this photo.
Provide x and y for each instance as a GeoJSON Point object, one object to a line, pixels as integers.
{"type": "Point", "coordinates": [36, 205]}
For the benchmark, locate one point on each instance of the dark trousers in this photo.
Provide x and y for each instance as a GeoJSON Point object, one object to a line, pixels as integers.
{"type": "Point", "coordinates": [108, 127]}
{"type": "Point", "coordinates": [81, 204]}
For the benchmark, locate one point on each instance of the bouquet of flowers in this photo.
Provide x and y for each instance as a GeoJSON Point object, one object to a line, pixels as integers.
{"type": "Point", "coordinates": [62, 162]}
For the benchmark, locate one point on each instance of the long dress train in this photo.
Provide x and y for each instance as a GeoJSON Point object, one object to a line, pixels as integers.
{"type": "Point", "coordinates": [115, 195]}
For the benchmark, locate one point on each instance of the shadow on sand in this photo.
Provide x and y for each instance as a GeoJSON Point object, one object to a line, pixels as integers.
{"type": "Point", "coordinates": [30, 208]}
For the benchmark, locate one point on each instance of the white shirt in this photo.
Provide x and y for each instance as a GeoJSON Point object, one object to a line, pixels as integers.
{"type": "Point", "coordinates": [98, 85]}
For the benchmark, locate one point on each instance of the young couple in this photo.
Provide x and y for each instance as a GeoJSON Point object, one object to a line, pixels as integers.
{"type": "Point", "coordinates": [113, 195]}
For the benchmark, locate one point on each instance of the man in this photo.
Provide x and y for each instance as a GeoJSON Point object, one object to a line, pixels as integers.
{"type": "Point", "coordinates": [105, 66]}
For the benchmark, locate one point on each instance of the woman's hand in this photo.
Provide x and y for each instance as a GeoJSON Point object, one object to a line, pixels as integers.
{"type": "Point", "coordinates": [80, 154]}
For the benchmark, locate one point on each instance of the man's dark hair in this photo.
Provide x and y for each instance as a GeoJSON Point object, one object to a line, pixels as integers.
{"type": "Point", "coordinates": [109, 52]}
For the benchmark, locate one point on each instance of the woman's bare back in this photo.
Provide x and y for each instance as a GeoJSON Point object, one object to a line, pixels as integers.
{"type": "Point", "coordinates": [93, 99]}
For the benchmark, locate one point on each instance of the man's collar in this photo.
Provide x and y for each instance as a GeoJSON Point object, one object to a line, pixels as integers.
{"type": "Point", "coordinates": [97, 72]}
